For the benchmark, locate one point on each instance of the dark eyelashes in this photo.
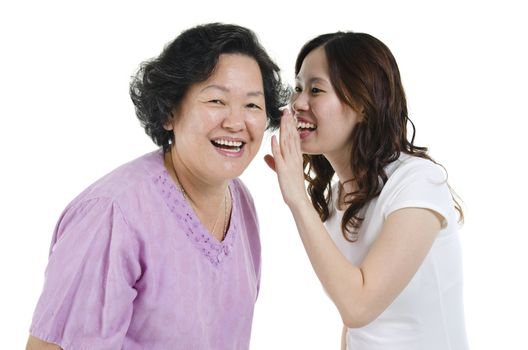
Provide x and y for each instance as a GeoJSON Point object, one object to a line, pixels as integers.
{"type": "Point", "coordinates": [313, 90]}
{"type": "Point", "coordinates": [222, 103]}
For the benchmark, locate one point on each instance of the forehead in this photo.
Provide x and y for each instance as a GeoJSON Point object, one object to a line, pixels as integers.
{"type": "Point", "coordinates": [314, 66]}
{"type": "Point", "coordinates": [235, 71]}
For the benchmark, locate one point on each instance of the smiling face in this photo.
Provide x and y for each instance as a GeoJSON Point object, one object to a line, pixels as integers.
{"type": "Point", "coordinates": [218, 127]}
{"type": "Point", "coordinates": [325, 123]}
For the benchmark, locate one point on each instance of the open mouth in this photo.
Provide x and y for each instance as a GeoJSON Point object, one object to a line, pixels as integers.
{"type": "Point", "coordinates": [228, 145]}
{"type": "Point", "coordinates": [305, 126]}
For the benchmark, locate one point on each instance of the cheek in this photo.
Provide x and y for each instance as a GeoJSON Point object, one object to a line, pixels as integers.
{"type": "Point", "coordinates": [199, 122]}
{"type": "Point", "coordinates": [256, 125]}
{"type": "Point", "coordinates": [211, 118]}
{"type": "Point", "coordinates": [322, 110]}
{"type": "Point", "coordinates": [332, 115]}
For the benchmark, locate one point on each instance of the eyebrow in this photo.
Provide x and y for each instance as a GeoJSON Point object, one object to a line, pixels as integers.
{"type": "Point", "coordinates": [313, 80]}
{"type": "Point", "coordinates": [224, 89]}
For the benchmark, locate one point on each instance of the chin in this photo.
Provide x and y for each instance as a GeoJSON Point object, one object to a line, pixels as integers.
{"type": "Point", "coordinates": [310, 150]}
{"type": "Point", "coordinates": [230, 171]}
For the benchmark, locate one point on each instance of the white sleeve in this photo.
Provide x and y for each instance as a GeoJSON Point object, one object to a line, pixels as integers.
{"type": "Point", "coordinates": [421, 184]}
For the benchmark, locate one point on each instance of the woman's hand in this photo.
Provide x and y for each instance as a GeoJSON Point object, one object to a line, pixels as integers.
{"type": "Point", "coordinates": [287, 161]}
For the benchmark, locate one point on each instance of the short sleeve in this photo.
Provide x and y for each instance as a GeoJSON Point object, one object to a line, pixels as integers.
{"type": "Point", "coordinates": [422, 184]}
{"type": "Point", "coordinates": [86, 302]}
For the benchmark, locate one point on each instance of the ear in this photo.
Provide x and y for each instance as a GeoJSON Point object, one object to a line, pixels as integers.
{"type": "Point", "coordinates": [169, 124]}
{"type": "Point", "coordinates": [270, 161]}
{"type": "Point", "coordinates": [361, 114]}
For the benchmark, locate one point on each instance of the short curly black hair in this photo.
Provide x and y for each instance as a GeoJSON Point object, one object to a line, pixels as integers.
{"type": "Point", "coordinates": [161, 83]}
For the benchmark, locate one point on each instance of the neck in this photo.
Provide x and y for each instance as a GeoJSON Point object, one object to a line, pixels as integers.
{"type": "Point", "coordinates": [210, 200]}
{"type": "Point", "coordinates": [204, 194]}
{"type": "Point", "coordinates": [341, 164]}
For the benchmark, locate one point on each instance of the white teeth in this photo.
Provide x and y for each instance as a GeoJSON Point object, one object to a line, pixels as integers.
{"type": "Point", "coordinates": [303, 125]}
{"type": "Point", "coordinates": [229, 143]}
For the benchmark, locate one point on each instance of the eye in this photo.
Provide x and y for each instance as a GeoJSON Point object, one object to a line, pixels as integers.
{"type": "Point", "coordinates": [253, 106]}
{"type": "Point", "coordinates": [216, 102]}
{"type": "Point", "coordinates": [297, 89]}
{"type": "Point", "coordinates": [316, 90]}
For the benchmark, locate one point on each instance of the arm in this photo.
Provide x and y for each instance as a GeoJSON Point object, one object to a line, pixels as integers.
{"type": "Point", "coordinates": [88, 293]}
{"type": "Point", "coordinates": [360, 293]}
{"type": "Point", "coordinates": [37, 344]}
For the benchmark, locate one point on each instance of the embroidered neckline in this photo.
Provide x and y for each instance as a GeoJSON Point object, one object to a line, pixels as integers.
{"type": "Point", "coordinates": [214, 250]}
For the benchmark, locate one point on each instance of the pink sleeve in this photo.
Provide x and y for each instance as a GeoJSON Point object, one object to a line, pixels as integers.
{"type": "Point", "coordinates": [88, 292]}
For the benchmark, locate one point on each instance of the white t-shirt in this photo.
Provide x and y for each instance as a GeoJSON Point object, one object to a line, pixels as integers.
{"type": "Point", "coordinates": [428, 314]}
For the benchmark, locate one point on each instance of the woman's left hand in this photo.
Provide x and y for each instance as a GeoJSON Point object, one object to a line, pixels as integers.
{"type": "Point", "coordinates": [287, 161]}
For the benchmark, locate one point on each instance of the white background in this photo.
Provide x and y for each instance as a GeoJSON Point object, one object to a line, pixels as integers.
{"type": "Point", "coordinates": [66, 120]}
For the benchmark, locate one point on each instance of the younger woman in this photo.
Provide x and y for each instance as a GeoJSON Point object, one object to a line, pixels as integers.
{"type": "Point", "coordinates": [388, 254]}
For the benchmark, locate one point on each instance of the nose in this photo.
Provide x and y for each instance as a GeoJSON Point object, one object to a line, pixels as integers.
{"type": "Point", "coordinates": [300, 102]}
{"type": "Point", "coordinates": [234, 121]}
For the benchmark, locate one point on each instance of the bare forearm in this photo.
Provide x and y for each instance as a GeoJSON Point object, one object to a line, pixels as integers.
{"type": "Point", "coordinates": [361, 293]}
{"type": "Point", "coordinates": [341, 279]}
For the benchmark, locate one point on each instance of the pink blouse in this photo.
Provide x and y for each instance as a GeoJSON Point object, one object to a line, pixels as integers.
{"type": "Point", "coordinates": [132, 267]}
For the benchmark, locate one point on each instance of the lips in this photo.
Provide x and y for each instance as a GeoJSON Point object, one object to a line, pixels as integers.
{"type": "Point", "coordinates": [228, 145]}
{"type": "Point", "coordinates": [308, 126]}
{"type": "Point", "coordinates": [305, 128]}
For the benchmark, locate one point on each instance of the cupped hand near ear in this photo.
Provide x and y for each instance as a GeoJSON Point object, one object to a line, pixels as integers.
{"type": "Point", "coordinates": [287, 160]}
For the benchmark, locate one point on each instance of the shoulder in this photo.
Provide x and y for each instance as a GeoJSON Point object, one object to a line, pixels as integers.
{"type": "Point", "coordinates": [239, 185]}
{"type": "Point", "coordinates": [418, 183]}
{"type": "Point", "coordinates": [128, 179]}
{"type": "Point", "coordinates": [409, 168]}
{"type": "Point", "coordinates": [118, 194]}
{"type": "Point", "coordinates": [246, 210]}
{"type": "Point", "coordinates": [242, 193]}
{"type": "Point", "coordinates": [90, 225]}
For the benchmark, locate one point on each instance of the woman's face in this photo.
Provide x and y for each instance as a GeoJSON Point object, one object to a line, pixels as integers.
{"type": "Point", "coordinates": [324, 122]}
{"type": "Point", "coordinates": [218, 127]}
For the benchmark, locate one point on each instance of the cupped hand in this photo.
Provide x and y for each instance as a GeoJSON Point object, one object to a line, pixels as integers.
{"type": "Point", "coordinates": [287, 160]}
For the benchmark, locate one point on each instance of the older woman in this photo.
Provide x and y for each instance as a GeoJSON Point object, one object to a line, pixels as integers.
{"type": "Point", "coordinates": [163, 252]}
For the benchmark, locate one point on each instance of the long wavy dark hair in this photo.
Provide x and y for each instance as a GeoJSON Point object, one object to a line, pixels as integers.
{"type": "Point", "coordinates": [366, 77]}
